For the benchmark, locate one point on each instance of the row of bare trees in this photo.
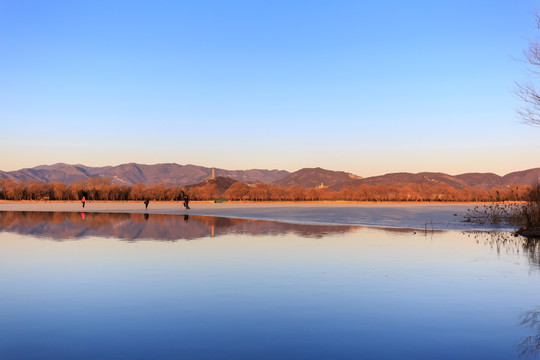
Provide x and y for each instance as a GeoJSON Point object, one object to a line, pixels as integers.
{"type": "Point", "coordinates": [365, 192]}
{"type": "Point", "coordinates": [93, 189]}
{"type": "Point", "coordinates": [105, 189]}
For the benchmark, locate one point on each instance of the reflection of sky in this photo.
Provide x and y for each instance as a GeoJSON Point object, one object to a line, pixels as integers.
{"type": "Point", "coordinates": [367, 293]}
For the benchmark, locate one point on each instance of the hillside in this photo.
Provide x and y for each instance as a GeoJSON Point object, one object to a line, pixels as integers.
{"type": "Point", "coordinates": [481, 181]}
{"type": "Point", "coordinates": [132, 173]}
{"type": "Point", "coordinates": [528, 177]}
{"type": "Point", "coordinates": [312, 177]}
{"type": "Point", "coordinates": [220, 184]}
{"type": "Point", "coordinates": [409, 178]}
{"type": "Point", "coordinates": [337, 180]}
{"type": "Point", "coordinates": [182, 175]}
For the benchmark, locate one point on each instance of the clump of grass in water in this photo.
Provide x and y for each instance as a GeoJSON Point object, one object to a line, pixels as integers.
{"type": "Point", "coordinates": [494, 214]}
{"type": "Point", "coordinates": [525, 216]}
{"type": "Point", "coordinates": [531, 214]}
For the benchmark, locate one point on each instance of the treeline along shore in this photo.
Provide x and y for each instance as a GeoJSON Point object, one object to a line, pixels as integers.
{"type": "Point", "coordinates": [103, 189]}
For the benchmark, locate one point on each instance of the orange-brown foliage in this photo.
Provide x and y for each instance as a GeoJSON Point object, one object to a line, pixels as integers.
{"type": "Point", "coordinates": [104, 189]}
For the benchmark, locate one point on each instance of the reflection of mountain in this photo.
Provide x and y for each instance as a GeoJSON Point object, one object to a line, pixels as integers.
{"type": "Point", "coordinates": [64, 226]}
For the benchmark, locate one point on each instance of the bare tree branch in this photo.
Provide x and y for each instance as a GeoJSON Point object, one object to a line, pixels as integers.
{"type": "Point", "coordinates": [530, 114]}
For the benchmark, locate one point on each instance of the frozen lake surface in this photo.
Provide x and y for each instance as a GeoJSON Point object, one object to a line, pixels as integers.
{"type": "Point", "coordinates": [413, 216]}
{"type": "Point", "coordinates": [140, 286]}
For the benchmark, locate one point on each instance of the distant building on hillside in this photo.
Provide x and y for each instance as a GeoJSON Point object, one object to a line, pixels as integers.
{"type": "Point", "coordinates": [213, 173]}
{"type": "Point", "coordinates": [322, 186]}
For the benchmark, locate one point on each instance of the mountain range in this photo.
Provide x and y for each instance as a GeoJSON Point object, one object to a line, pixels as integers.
{"type": "Point", "coordinates": [130, 174]}
{"type": "Point", "coordinates": [181, 175]}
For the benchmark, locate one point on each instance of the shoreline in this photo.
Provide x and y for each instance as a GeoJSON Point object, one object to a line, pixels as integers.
{"type": "Point", "coordinates": [287, 202]}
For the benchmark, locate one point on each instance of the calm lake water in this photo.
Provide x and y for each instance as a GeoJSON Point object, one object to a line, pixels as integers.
{"type": "Point", "coordinates": [130, 286]}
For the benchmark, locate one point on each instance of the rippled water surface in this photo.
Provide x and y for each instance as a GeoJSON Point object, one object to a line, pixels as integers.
{"type": "Point", "coordinates": [135, 286]}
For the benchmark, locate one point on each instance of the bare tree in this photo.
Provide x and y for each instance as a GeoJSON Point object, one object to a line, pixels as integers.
{"type": "Point", "coordinates": [527, 91]}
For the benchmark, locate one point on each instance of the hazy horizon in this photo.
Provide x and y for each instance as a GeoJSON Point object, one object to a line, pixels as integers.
{"type": "Point", "coordinates": [362, 87]}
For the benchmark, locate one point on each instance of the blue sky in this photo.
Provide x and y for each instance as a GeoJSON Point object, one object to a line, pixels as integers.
{"type": "Point", "coordinates": [365, 87]}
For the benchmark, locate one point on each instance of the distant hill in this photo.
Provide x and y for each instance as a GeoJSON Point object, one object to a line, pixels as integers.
{"type": "Point", "coordinates": [409, 178]}
{"type": "Point", "coordinates": [182, 175]}
{"type": "Point", "coordinates": [482, 181]}
{"type": "Point", "coordinates": [528, 177]}
{"type": "Point", "coordinates": [312, 177]}
{"type": "Point", "coordinates": [337, 180]}
{"type": "Point", "coordinates": [132, 173]}
{"type": "Point", "coordinates": [221, 183]}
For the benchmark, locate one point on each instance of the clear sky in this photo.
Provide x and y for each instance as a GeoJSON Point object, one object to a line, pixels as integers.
{"type": "Point", "coordinates": [369, 87]}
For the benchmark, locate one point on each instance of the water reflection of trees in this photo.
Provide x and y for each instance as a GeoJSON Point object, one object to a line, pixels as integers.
{"type": "Point", "coordinates": [529, 346]}
{"type": "Point", "coordinates": [509, 243]}
{"type": "Point", "coordinates": [64, 226]}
